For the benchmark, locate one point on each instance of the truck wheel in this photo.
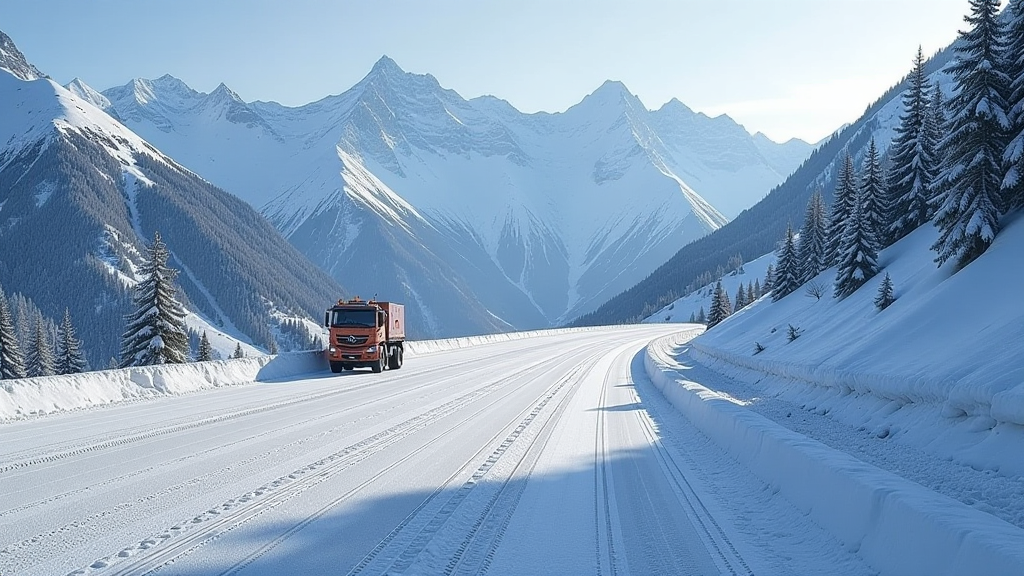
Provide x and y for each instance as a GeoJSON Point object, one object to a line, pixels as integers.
{"type": "Point", "coordinates": [336, 367]}
{"type": "Point", "coordinates": [396, 358]}
{"type": "Point", "coordinates": [378, 366]}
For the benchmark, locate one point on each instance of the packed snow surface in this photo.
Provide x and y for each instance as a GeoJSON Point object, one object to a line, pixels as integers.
{"type": "Point", "coordinates": [543, 453]}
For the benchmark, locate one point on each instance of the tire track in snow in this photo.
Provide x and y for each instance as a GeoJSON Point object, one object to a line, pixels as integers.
{"type": "Point", "coordinates": [456, 381]}
{"type": "Point", "coordinates": [152, 553]}
{"type": "Point", "coordinates": [485, 521]}
{"type": "Point", "coordinates": [140, 434]}
{"type": "Point", "coordinates": [603, 525]}
{"type": "Point", "coordinates": [713, 536]}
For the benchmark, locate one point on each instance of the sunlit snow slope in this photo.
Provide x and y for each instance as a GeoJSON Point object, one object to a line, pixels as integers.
{"type": "Point", "coordinates": [81, 195]}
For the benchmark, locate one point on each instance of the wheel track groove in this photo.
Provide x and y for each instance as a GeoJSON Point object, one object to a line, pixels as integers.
{"type": "Point", "coordinates": [179, 541]}
{"type": "Point", "coordinates": [415, 533]}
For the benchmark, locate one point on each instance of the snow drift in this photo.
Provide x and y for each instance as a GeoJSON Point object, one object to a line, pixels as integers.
{"type": "Point", "coordinates": [898, 526]}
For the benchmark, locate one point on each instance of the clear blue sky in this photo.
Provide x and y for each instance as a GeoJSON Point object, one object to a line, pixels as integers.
{"type": "Point", "coordinates": [788, 68]}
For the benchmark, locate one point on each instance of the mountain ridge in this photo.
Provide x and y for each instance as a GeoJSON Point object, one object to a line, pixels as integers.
{"type": "Point", "coordinates": [555, 211]}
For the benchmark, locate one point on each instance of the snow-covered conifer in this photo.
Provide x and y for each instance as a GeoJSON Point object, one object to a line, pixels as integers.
{"type": "Point", "coordinates": [741, 297]}
{"type": "Point", "coordinates": [936, 130]}
{"type": "Point", "coordinates": [912, 168]}
{"type": "Point", "coordinates": [968, 207]}
{"type": "Point", "coordinates": [39, 359]}
{"type": "Point", "coordinates": [239, 353]}
{"type": "Point", "coordinates": [205, 349]}
{"type": "Point", "coordinates": [858, 254]}
{"type": "Point", "coordinates": [757, 289]}
{"type": "Point", "coordinates": [12, 364]}
{"type": "Point", "coordinates": [1013, 156]}
{"type": "Point", "coordinates": [721, 308]}
{"type": "Point", "coordinates": [769, 279]}
{"type": "Point", "coordinates": [751, 295]}
{"type": "Point", "coordinates": [842, 208]}
{"type": "Point", "coordinates": [702, 317]}
{"type": "Point", "coordinates": [885, 293]}
{"type": "Point", "coordinates": [813, 237]}
{"type": "Point", "coordinates": [787, 275]}
{"type": "Point", "coordinates": [156, 332]}
{"type": "Point", "coordinates": [69, 349]}
{"type": "Point", "coordinates": [872, 193]}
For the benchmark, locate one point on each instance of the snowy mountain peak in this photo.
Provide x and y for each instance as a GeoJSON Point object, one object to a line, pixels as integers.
{"type": "Point", "coordinates": [385, 65]}
{"type": "Point", "coordinates": [79, 88]}
{"type": "Point", "coordinates": [674, 106]}
{"type": "Point", "coordinates": [612, 92]}
{"type": "Point", "coordinates": [389, 81]}
{"type": "Point", "coordinates": [223, 93]}
{"type": "Point", "coordinates": [13, 60]}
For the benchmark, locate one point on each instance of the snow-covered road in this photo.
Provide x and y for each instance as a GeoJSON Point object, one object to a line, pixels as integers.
{"type": "Point", "coordinates": [547, 455]}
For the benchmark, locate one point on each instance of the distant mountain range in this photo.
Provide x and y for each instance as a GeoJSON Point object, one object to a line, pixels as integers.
{"type": "Point", "coordinates": [479, 216]}
{"type": "Point", "coordinates": [80, 195]}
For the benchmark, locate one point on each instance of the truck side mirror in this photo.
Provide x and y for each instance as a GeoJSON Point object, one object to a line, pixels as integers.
{"type": "Point", "coordinates": [380, 319]}
{"type": "Point", "coordinates": [327, 318]}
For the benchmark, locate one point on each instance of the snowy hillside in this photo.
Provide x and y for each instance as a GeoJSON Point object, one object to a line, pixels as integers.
{"type": "Point", "coordinates": [945, 360]}
{"type": "Point", "coordinates": [485, 217]}
{"type": "Point", "coordinates": [80, 195]}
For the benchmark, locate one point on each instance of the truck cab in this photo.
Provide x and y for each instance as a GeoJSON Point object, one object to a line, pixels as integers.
{"type": "Point", "coordinates": [365, 334]}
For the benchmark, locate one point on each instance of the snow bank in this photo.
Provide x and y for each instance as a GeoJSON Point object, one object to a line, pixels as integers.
{"type": "Point", "coordinates": [898, 526]}
{"type": "Point", "coordinates": [37, 396]}
{"type": "Point", "coordinates": [421, 347]}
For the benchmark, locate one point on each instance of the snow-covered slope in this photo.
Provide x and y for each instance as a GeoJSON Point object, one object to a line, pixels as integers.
{"type": "Point", "coordinates": [485, 217]}
{"type": "Point", "coordinates": [80, 194]}
{"type": "Point", "coordinates": [945, 360]}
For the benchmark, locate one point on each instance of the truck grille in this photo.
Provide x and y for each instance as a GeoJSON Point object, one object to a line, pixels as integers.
{"type": "Point", "coordinates": [350, 340]}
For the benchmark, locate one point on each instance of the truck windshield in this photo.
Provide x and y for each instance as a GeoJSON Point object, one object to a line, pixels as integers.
{"type": "Point", "coordinates": [365, 317]}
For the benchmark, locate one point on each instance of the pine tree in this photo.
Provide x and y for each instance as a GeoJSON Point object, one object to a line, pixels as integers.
{"type": "Point", "coordinates": [757, 289]}
{"type": "Point", "coordinates": [39, 360]}
{"type": "Point", "coordinates": [858, 254]}
{"type": "Point", "coordinates": [205, 349]}
{"type": "Point", "coordinates": [12, 365]}
{"type": "Point", "coordinates": [936, 129]}
{"type": "Point", "coordinates": [751, 296]}
{"type": "Point", "coordinates": [721, 308]}
{"type": "Point", "coordinates": [702, 318]}
{"type": "Point", "coordinates": [156, 332]}
{"type": "Point", "coordinates": [740, 299]}
{"type": "Point", "coordinates": [769, 279]}
{"type": "Point", "coordinates": [813, 237]}
{"type": "Point", "coordinates": [885, 293]}
{"type": "Point", "coordinates": [787, 276]}
{"type": "Point", "coordinates": [912, 169]}
{"type": "Point", "coordinates": [693, 317]}
{"type": "Point", "coordinates": [968, 208]}
{"type": "Point", "coordinates": [239, 353]}
{"type": "Point", "coordinates": [872, 193]}
{"type": "Point", "coordinates": [1013, 156]}
{"type": "Point", "coordinates": [842, 208]}
{"type": "Point", "coordinates": [69, 349]}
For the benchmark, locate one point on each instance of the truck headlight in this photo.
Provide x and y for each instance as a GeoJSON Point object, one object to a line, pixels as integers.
{"type": "Point", "coordinates": [371, 349]}
{"type": "Point", "coordinates": [333, 349]}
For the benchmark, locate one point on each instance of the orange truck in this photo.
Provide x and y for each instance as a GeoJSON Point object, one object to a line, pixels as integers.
{"type": "Point", "coordinates": [365, 334]}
